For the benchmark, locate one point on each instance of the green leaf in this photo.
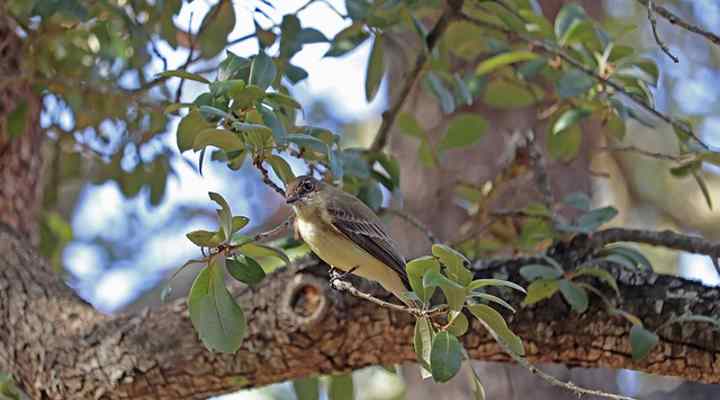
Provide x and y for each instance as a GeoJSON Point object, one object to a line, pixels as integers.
{"type": "Point", "coordinates": [565, 145]}
{"type": "Point", "coordinates": [416, 270]}
{"type": "Point", "coordinates": [504, 59]}
{"type": "Point", "coordinates": [441, 92]}
{"type": "Point", "coordinates": [568, 16]}
{"type": "Point", "coordinates": [239, 222]}
{"type": "Point", "coordinates": [493, 321]}
{"type": "Point", "coordinates": [445, 357]}
{"type": "Point", "coordinates": [341, 387]}
{"type": "Point", "coordinates": [219, 321]}
{"type": "Point", "coordinates": [459, 324]}
{"type": "Point", "coordinates": [454, 292]}
{"type": "Point", "coordinates": [455, 262]}
{"type": "Point", "coordinates": [276, 125]}
{"type": "Point", "coordinates": [347, 40]}
{"type": "Point", "coordinates": [206, 238]}
{"type": "Point", "coordinates": [464, 130]}
{"type": "Point", "coordinates": [601, 274]}
{"type": "Point", "coordinates": [573, 84]}
{"type": "Point", "coordinates": [307, 388]}
{"type": "Point", "coordinates": [282, 168]}
{"type": "Point", "coordinates": [262, 71]}
{"type": "Point", "coordinates": [220, 138]}
{"type": "Point", "coordinates": [642, 341]}
{"type": "Point", "coordinates": [188, 129]}
{"type": "Point", "coordinates": [257, 250]}
{"type": "Point", "coordinates": [247, 96]}
{"type": "Point", "coordinates": [590, 221]}
{"type": "Point", "coordinates": [224, 213]}
{"type": "Point", "coordinates": [509, 95]}
{"type": "Point", "coordinates": [576, 296]}
{"type": "Point", "coordinates": [375, 69]}
{"type": "Point", "coordinates": [637, 258]}
{"type": "Point", "coordinates": [422, 341]}
{"type": "Point", "coordinates": [283, 100]}
{"type": "Point", "coordinates": [479, 283]}
{"type": "Point", "coordinates": [184, 75]}
{"type": "Point", "coordinates": [216, 26]}
{"type": "Point", "coordinates": [570, 118]}
{"type": "Point", "coordinates": [295, 74]}
{"type": "Point", "coordinates": [536, 271]}
{"type": "Point", "coordinates": [246, 270]}
{"type": "Point", "coordinates": [493, 299]}
{"type": "Point", "coordinates": [234, 67]}
{"type": "Point", "coordinates": [541, 290]}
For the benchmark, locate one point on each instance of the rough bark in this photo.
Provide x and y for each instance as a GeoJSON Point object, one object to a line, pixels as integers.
{"type": "Point", "coordinates": [59, 348]}
{"type": "Point", "coordinates": [20, 155]}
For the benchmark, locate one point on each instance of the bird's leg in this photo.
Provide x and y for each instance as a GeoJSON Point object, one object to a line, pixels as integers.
{"type": "Point", "coordinates": [335, 275]}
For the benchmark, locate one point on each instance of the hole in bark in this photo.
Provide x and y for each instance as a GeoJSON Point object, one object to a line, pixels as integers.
{"type": "Point", "coordinates": [306, 300]}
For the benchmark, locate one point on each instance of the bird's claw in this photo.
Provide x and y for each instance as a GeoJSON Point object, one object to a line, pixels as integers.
{"type": "Point", "coordinates": [336, 276]}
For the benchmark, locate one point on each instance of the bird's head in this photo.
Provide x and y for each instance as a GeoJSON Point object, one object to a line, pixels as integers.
{"type": "Point", "coordinates": [302, 190]}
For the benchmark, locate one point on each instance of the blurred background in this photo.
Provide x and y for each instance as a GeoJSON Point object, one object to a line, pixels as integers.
{"type": "Point", "coordinates": [118, 247]}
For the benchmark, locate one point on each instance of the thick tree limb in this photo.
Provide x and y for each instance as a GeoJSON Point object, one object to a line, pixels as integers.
{"type": "Point", "coordinates": [58, 348]}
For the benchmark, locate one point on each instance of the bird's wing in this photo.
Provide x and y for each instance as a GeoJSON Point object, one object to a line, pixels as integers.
{"type": "Point", "coordinates": [360, 224]}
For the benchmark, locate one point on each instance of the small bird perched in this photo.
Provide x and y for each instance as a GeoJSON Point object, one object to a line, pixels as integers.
{"type": "Point", "coordinates": [346, 234]}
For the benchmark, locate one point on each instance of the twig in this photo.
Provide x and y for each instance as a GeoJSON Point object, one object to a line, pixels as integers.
{"type": "Point", "coordinates": [634, 149]}
{"type": "Point", "coordinates": [191, 39]}
{"type": "Point", "coordinates": [283, 225]}
{"type": "Point", "coordinates": [548, 49]}
{"type": "Point", "coordinates": [580, 391]}
{"type": "Point", "coordinates": [345, 286]}
{"type": "Point", "coordinates": [675, 20]}
{"type": "Point", "coordinates": [451, 10]}
{"type": "Point", "coordinates": [517, 214]}
{"type": "Point", "coordinates": [266, 177]}
{"type": "Point", "coordinates": [412, 221]}
{"type": "Point", "coordinates": [653, 26]}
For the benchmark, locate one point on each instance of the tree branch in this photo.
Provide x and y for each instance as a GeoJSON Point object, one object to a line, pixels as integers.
{"type": "Point", "coordinates": [676, 20]}
{"type": "Point", "coordinates": [58, 348]}
{"type": "Point", "coordinates": [653, 25]}
{"type": "Point", "coordinates": [452, 8]}
{"type": "Point", "coordinates": [556, 52]}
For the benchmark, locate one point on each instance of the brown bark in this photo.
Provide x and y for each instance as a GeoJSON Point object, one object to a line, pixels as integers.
{"type": "Point", "coordinates": [59, 348]}
{"type": "Point", "coordinates": [20, 154]}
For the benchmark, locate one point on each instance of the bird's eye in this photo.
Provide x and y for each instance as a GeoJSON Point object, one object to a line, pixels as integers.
{"type": "Point", "coordinates": [307, 186]}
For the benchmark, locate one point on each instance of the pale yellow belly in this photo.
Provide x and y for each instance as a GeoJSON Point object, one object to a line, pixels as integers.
{"type": "Point", "coordinates": [341, 253]}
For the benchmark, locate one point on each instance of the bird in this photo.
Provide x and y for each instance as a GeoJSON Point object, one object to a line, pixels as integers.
{"type": "Point", "coordinates": [345, 233]}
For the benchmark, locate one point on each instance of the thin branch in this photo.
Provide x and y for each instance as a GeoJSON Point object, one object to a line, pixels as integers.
{"type": "Point", "coordinates": [452, 8]}
{"type": "Point", "coordinates": [345, 286]}
{"type": "Point", "coordinates": [266, 177]}
{"type": "Point", "coordinates": [637, 150]}
{"type": "Point", "coordinates": [653, 25]}
{"type": "Point", "coordinates": [675, 20]}
{"type": "Point", "coordinates": [412, 221]}
{"type": "Point", "coordinates": [191, 38]}
{"type": "Point", "coordinates": [548, 49]}
{"type": "Point", "coordinates": [266, 234]}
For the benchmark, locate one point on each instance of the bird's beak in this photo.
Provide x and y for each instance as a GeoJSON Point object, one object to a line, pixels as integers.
{"type": "Point", "coordinates": [291, 199]}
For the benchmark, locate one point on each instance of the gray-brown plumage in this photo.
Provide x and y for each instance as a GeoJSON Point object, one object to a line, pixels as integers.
{"type": "Point", "coordinates": [345, 233]}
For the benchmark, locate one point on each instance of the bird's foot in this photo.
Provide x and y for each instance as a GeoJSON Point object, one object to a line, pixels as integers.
{"type": "Point", "coordinates": [338, 276]}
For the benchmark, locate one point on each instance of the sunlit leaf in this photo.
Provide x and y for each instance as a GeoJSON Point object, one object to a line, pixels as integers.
{"type": "Point", "coordinates": [575, 296]}
{"type": "Point", "coordinates": [416, 270]}
{"type": "Point", "coordinates": [459, 324]}
{"type": "Point", "coordinates": [445, 356]}
{"type": "Point", "coordinates": [375, 69]}
{"type": "Point", "coordinates": [569, 118]}
{"type": "Point", "coordinates": [219, 321]}
{"type": "Point", "coordinates": [494, 321]}
{"type": "Point", "coordinates": [504, 59]}
{"type": "Point", "coordinates": [540, 290]}
{"type": "Point", "coordinates": [189, 128]}
{"type": "Point", "coordinates": [216, 26]}
{"type": "Point", "coordinates": [341, 387]}
{"type": "Point", "coordinates": [423, 342]}
{"type": "Point", "coordinates": [220, 138]}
